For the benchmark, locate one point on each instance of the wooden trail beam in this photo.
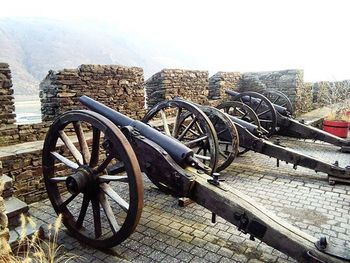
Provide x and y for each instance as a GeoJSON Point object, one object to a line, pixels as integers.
{"type": "Point", "coordinates": [294, 157]}
{"type": "Point", "coordinates": [254, 219]}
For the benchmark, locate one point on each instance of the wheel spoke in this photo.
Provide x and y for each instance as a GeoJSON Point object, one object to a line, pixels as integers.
{"type": "Point", "coordinates": [82, 141]}
{"type": "Point", "coordinates": [176, 124]}
{"type": "Point", "coordinates": [222, 131]}
{"type": "Point", "coordinates": [188, 144]}
{"type": "Point", "coordinates": [109, 213]}
{"type": "Point", "coordinates": [97, 217]}
{"type": "Point", "coordinates": [257, 107]}
{"type": "Point", "coordinates": [70, 199]}
{"type": "Point", "coordinates": [58, 179]}
{"type": "Point", "coordinates": [95, 151]}
{"type": "Point", "coordinates": [222, 154]}
{"type": "Point", "coordinates": [224, 142]}
{"type": "Point", "coordinates": [277, 98]}
{"type": "Point", "coordinates": [241, 112]}
{"type": "Point", "coordinates": [194, 132]}
{"type": "Point", "coordinates": [71, 147]}
{"type": "Point", "coordinates": [165, 122]}
{"type": "Point", "coordinates": [64, 160]}
{"type": "Point", "coordinates": [266, 121]}
{"type": "Point", "coordinates": [82, 213]}
{"type": "Point", "coordinates": [243, 116]}
{"type": "Point", "coordinates": [264, 112]}
{"type": "Point", "coordinates": [104, 164]}
{"type": "Point", "coordinates": [206, 158]}
{"type": "Point", "coordinates": [114, 196]}
{"type": "Point", "coordinates": [187, 129]}
{"type": "Point", "coordinates": [114, 178]}
{"type": "Point", "coordinates": [199, 127]}
{"type": "Point", "coordinates": [199, 150]}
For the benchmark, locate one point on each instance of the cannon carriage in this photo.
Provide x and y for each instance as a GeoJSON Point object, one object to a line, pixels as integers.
{"type": "Point", "coordinates": [240, 129]}
{"type": "Point", "coordinates": [278, 117]}
{"type": "Point", "coordinates": [106, 172]}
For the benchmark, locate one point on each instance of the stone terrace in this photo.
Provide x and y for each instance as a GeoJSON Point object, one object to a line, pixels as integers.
{"type": "Point", "coordinates": [169, 233]}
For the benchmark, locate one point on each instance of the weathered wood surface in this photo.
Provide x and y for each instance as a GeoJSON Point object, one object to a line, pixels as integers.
{"type": "Point", "coordinates": [225, 201]}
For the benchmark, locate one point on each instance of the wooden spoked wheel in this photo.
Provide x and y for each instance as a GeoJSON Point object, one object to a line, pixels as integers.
{"type": "Point", "coordinates": [279, 98]}
{"type": "Point", "coordinates": [227, 134]}
{"type": "Point", "coordinates": [92, 178]}
{"type": "Point", "coordinates": [188, 124]}
{"type": "Point", "coordinates": [241, 111]}
{"type": "Point", "coordinates": [262, 107]}
{"type": "Point", "coordinates": [244, 112]}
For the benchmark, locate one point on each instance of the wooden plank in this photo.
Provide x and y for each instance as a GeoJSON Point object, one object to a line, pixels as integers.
{"type": "Point", "coordinates": [228, 203]}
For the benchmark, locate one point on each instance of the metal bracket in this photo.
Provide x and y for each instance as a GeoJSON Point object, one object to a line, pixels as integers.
{"type": "Point", "coordinates": [340, 252]}
{"type": "Point", "coordinates": [216, 181]}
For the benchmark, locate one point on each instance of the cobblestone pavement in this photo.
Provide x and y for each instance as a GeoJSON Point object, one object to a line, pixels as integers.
{"type": "Point", "coordinates": [169, 233]}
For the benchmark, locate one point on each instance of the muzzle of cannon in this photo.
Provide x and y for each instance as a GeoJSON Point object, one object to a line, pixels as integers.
{"type": "Point", "coordinates": [101, 198]}
{"type": "Point", "coordinates": [277, 119]}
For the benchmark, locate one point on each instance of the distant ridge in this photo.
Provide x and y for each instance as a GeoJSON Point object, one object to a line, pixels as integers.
{"type": "Point", "coordinates": [32, 46]}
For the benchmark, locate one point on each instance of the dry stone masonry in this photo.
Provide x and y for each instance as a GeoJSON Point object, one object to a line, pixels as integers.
{"type": "Point", "coordinates": [169, 83]}
{"type": "Point", "coordinates": [4, 231]}
{"type": "Point", "coordinates": [221, 81]}
{"type": "Point", "coordinates": [290, 82]}
{"type": "Point", "coordinates": [8, 132]}
{"type": "Point", "coordinates": [115, 86]}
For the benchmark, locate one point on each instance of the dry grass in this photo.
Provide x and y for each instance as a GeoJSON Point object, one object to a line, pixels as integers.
{"type": "Point", "coordinates": [36, 250]}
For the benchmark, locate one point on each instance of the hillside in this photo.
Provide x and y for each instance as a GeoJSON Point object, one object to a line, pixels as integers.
{"type": "Point", "coordinates": [34, 46]}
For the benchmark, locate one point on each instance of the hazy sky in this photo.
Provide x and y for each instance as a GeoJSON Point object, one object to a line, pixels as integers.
{"type": "Point", "coordinates": [242, 35]}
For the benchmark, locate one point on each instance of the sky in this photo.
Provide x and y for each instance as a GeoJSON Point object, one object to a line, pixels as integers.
{"type": "Point", "coordinates": [236, 35]}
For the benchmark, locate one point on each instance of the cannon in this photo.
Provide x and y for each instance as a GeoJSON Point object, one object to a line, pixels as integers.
{"type": "Point", "coordinates": [198, 127]}
{"type": "Point", "coordinates": [219, 138]}
{"type": "Point", "coordinates": [278, 119]}
{"type": "Point", "coordinates": [106, 152]}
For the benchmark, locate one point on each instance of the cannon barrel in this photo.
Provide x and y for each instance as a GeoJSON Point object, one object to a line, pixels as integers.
{"type": "Point", "coordinates": [249, 126]}
{"type": "Point", "coordinates": [179, 152]}
{"type": "Point", "coordinates": [280, 109]}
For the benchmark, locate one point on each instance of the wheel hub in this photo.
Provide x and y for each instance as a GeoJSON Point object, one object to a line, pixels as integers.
{"type": "Point", "coordinates": [80, 180]}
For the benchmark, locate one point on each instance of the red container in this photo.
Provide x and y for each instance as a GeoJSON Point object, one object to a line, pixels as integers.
{"type": "Point", "coordinates": [337, 128]}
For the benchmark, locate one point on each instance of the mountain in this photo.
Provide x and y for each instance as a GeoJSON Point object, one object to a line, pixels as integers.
{"type": "Point", "coordinates": [33, 46]}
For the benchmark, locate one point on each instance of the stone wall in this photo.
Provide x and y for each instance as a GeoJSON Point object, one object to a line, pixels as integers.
{"type": "Point", "coordinates": [4, 231]}
{"type": "Point", "coordinates": [8, 132]}
{"type": "Point", "coordinates": [24, 167]}
{"type": "Point", "coordinates": [221, 81]}
{"type": "Point", "coordinates": [290, 82]}
{"type": "Point", "coordinates": [192, 85]}
{"type": "Point", "coordinates": [33, 132]}
{"type": "Point", "coordinates": [115, 86]}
